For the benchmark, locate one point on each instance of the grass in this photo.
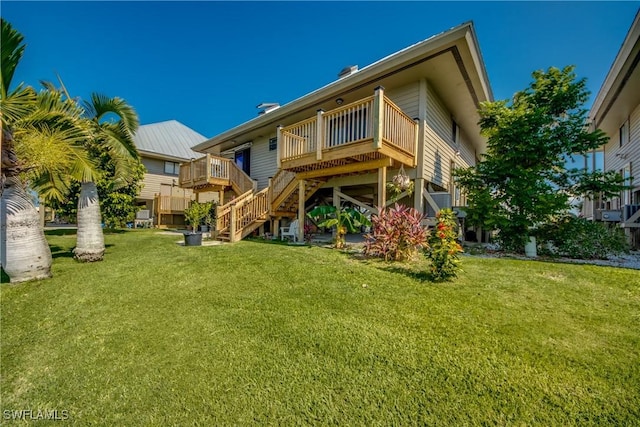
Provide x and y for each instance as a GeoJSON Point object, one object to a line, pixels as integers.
{"type": "Point", "coordinates": [254, 333]}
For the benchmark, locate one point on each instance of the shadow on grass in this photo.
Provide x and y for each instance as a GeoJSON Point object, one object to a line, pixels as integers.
{"type": "Point", "coordinates": [422, 276]}
{"type": "Point", "coordinates": [3, 277]}
{"type": "Point", "coordinates": [61, 232]}
{"type": "Point", "coordinates": [60, 252]}
{"type": "Point", "coordinates": [271, 242]}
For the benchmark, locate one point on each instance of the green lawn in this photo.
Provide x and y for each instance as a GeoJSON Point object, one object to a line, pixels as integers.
{"type": "Point", "coordinates": [258, 333]}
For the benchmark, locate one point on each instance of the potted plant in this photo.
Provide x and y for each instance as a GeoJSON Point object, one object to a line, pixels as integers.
{"type": "Point", "coordinates": [194, 215]}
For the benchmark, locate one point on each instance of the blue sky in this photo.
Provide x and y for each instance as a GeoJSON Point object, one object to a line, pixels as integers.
{"type": "Point", "coordinates": [209, 64]}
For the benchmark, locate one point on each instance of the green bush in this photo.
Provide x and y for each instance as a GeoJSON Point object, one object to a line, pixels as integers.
{"type": "Point", "coordinates": [574, 237]}
{"type": "Point", "coordinates": [443, 248]}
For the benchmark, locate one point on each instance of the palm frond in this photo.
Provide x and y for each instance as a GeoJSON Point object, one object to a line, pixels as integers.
{"type": "Point", "coordinates": [16, 105]}
{"type": "Point", "coordinates": [54, 156]}
{"type": "Point", "coordinates": [11, 51]}
{"type": "Point", "coordinates": [101, 106]}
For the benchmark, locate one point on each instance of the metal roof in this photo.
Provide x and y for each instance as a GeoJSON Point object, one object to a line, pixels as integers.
{"type": "Point", "coordinates": [168, 139]}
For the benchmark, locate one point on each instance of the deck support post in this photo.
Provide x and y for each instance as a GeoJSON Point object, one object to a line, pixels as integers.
{"type": "Point", "coordinates": [279, 146]}
{"type": "Point", "coordinates": [382, 187]}
{"type": "Point", "coordinates": [336, 204]}
{"type": "Point", "coordinates": [417, 143]}
{"type": "Point", "coordinates": [418, 195]}
{"type": "Point", "coordinates": [378, 117]}
{"type": "Point", "coordinates": [301, 212]}
{"type": "Point", "coordinates": [275, 230]}
{"type": "Point", "coordinates": [319, 134]}
{"type": "Point", "coordinates": [193, 171]}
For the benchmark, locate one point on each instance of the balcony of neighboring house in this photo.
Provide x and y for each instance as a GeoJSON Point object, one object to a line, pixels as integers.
{"type": "Point", "coordinates": [364, 135]}
{"type": "Point", "coordinates": [212, 173]}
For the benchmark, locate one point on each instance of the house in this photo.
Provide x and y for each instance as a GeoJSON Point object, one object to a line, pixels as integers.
{"type": "Point", "coordinates": [616, 110]}
{"type": "Point", "coordinates": [412, 115]}
{"type": "Point", "coordinates": [162, 147]}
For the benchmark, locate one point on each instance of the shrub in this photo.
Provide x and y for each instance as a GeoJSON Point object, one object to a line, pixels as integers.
{"type": "Point", "coordinates": [397, 234]}
{"type": "Point", "coordinates": [443, 247]}
{"type": "Point", "coordinates": [580, 238]}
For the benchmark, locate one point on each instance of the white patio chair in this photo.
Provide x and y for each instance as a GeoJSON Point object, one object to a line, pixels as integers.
{"type": "Point", "coordinates": [290, 231]}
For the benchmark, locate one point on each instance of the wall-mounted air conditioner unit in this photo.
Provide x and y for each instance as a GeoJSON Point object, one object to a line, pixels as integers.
{"type": "Point", "coordinates": [611, 215]}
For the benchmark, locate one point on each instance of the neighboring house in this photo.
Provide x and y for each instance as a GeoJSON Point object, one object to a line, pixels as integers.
{"type": "Point", "coordinates": [162, 147]}
{"type": "Point", "coordinates": [616, 110]}
{"type": "Point", "coordinates": [415, 109]}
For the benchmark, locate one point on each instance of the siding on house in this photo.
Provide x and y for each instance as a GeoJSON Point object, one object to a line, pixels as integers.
{"type": "Point", "coordinates": [263, 161]}
{"type": "Point", "coordinates": [617, 157]}
{"type": "Point", "coordinates": [440, 149]}
{"type": "Point", "coordinates": [406, 97]}
{"type": "Point", "coordinates": [154, 177]}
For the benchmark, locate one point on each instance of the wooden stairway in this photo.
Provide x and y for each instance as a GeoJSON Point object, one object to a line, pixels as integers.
{"type": "Point", "coordinates": [241, 216]}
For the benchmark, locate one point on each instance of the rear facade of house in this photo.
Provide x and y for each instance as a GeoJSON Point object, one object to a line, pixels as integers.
{"type": "Point", "coordinates": [413, 114]}
{"type": "Point", "coordinates": [616, 110]}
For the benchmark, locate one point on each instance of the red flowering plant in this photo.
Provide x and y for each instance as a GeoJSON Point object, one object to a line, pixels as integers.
{"type": "Point", "coordinates": [397, 234]}
{"type": "Point", "coordinates": [443, 248]}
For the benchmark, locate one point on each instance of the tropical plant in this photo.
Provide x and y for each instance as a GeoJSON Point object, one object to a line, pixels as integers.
{"type": "Point", "coordinates": [117, 206]}
{"type": "Point", "coordinates": [443, 247]}
{"type": "Point", "coordinates": [523, 180]}
{"type": "Point", "coordinates": [344, 220]}
{"type": "Point", "coordinates": [196, 214]}
{"type": "Point", "coordinates": [397, 234]}
{"type": "Point", "coordinates": [41, 148]}
{"type": "Point", "coordinates": [574, 237]}
{"type": "Point", "coordinates": [112, 124]}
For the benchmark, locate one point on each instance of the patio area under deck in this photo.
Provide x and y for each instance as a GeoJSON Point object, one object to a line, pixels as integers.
{"type": "Point", "coordinates": [365, 135]}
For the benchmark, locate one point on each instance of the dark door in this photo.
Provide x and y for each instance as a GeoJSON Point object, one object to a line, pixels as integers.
{"type": "Point", "coordinates": [242, 160]}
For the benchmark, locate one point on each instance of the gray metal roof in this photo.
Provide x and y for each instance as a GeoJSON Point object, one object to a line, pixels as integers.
{"type": "Point", "coordinates": [170, 138]}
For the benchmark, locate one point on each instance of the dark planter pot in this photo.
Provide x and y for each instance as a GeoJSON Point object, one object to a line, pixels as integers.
{"type": "Point", "coordinates": [193, 239]}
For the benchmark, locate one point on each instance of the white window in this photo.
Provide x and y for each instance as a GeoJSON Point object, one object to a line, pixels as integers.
{"type": "Point", "coordinates": [624, 133]}
{"type": "Point", "coordinates": [172, 168]}
{"type": "Point", "coordinates": [454, 131]}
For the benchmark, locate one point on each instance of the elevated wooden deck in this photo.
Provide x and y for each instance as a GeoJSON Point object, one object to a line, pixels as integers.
{"type": "Point", "coordinates": [212, 173]}
{"type": "Point", "coordinates": [356, 137]}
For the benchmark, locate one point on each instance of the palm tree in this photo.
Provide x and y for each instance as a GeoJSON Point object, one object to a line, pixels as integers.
{"type": "Point", "coordinates": [41, 144]}
{"type": "Point", "coordinates": [115, 138]}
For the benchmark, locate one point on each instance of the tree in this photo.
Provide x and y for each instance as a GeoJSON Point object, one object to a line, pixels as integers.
{"type": "Point", "coordinates": [41, 146]}
{"type": "Point", "coordinates": [117, 205]}
{"type": "Point", "coordinates": [523, 179]}
{"type": "Point", "coordinates": [112, 125]}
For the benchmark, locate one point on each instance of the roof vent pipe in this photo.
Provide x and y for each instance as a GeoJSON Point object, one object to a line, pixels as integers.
{"type": "Point", "coordinates": [347, 71]}
{"type": "Point", "coordinates": [267, 107]}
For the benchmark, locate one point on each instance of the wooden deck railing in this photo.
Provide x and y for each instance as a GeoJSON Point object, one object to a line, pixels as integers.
{"type": "Point", "coordinates": [279, 182]}
{"type": "Point", "coordinates": [248, 211]}
{"type": "Point", "coordinates": [398, 129]}
{"type": "Point", "coordinates": [168, 204]}
{"type": "Point", "coordinates": [299, 139]}
{"type": "Point", "coordinates": [349, 123]}
{"type": "Point", "coordinates": [214, 170]}
{"type": "Point", "coordinates": [240, 178]}
{"type": "Point", "coordinates": [375, 118]}
{"type": "Point", "coordinates": [223, 213]}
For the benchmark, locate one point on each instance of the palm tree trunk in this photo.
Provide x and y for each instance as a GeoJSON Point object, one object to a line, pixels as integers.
{"type": "Point", "coordinates": [24, 252]}
{"type": "Point", "coordinates": [90, 243]}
